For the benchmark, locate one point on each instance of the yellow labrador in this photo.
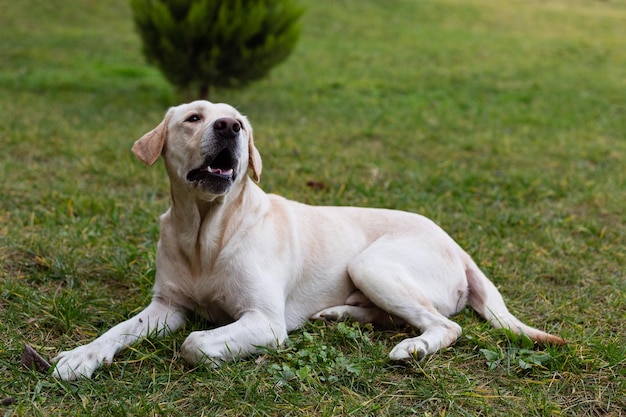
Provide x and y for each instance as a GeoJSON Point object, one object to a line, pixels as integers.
{"type": "Point", "coordinates": [259, 265]}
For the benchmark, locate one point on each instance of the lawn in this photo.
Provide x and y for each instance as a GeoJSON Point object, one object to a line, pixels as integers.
{"type": "Point", "coordinates": [505, 122]}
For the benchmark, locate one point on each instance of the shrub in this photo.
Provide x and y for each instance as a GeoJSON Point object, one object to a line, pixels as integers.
{"type": "Point", "coordinates": [200, 44]}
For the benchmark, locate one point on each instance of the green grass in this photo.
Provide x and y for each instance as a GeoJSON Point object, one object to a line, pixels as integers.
{"type": "Point", "coordinates": [503, 121]}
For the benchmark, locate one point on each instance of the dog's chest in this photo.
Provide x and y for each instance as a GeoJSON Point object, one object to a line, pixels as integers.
{"type": "Point", "coordinates": [200, 298]}
{"type": "Point", "coordinates": [208, 292]}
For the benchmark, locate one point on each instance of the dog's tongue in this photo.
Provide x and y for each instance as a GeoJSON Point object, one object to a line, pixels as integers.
{"type": "Point", "coordinates": [219, 171]}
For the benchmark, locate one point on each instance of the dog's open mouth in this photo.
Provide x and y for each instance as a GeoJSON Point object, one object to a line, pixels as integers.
{"type": "Point", "coordinates": [222, 166]}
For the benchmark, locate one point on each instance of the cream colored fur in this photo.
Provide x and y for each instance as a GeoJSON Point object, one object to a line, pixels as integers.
{"type": "Point", "coordinates": [259, 265]}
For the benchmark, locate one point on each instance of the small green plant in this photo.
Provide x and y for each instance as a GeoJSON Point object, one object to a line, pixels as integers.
{"type": "Point", "coordinates": [523, 356]}
{"type": "Point", "coordinates": [304, 360]}
{"type": "Point", "coordinates": [199, 44]}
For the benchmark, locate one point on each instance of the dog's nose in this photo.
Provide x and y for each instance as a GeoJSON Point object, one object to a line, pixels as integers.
{"type": "Point", "coordinates": [226, 127]}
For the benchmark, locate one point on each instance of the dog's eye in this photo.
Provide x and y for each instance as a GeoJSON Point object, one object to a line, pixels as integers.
{"type": "Point", "coordinates": [194, 118]}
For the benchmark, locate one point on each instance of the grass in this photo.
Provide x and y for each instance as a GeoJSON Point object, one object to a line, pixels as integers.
{"type": "Point", "coordinates": [504, 122]}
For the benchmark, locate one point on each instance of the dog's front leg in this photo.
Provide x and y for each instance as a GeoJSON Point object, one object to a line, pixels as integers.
{"type": "Point", "coordinates": [159, 318]}
{"type": "Point", "coordinates": [241, 338]}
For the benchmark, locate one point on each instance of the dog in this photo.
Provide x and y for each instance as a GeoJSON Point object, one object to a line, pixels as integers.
{"type": "Point", "coordinates": [259, 266]}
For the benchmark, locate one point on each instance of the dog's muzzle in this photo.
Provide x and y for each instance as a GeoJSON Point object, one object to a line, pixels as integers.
{"type": "Point", "coordinates": [219, 167]}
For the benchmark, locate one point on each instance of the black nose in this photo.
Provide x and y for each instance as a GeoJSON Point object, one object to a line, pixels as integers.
{"type": "Point", "coordinates": [226, 127]}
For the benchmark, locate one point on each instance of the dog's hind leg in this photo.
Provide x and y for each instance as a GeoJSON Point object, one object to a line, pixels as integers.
{"type": "Point", "coordinates": [407, 279]}
{"type": "Point", "coordinates": [358, 307]}
{"type": "Point", "coordinates": [360, 314]}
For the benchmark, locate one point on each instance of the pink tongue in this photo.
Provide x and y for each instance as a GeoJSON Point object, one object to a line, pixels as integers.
{"type": "Point", "coordinates": [219, 171]}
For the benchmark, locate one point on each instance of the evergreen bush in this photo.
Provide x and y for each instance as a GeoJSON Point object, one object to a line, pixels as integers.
{"type": "Point", "coordinates": [200, 44]}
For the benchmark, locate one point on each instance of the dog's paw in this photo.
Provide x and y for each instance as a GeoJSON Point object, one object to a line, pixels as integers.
{"type": "Point", "coordinates": [409, 349]}
{"type": "Point", "coordinates": [80, 362]}
{"type": "Point", "coordinates": [199, 348]}
{"type": "Point", "coordinates": [331, 314]}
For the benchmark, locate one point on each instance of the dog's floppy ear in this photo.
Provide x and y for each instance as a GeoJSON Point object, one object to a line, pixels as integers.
{"type": "Point", "coordinates": [149, 146]}
{"type": "Point", "coordinates": [254, 161]}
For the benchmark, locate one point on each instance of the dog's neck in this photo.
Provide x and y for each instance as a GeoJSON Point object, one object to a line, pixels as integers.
{"type": "Point", "coordinates": [221, 216]}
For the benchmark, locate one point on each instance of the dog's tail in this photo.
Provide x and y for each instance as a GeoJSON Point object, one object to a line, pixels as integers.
{"type": "Point", "coordinates": [487, 301]}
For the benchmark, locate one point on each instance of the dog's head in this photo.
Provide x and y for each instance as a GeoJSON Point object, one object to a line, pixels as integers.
{"type": "Point", "coordinates": [207, 146]}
